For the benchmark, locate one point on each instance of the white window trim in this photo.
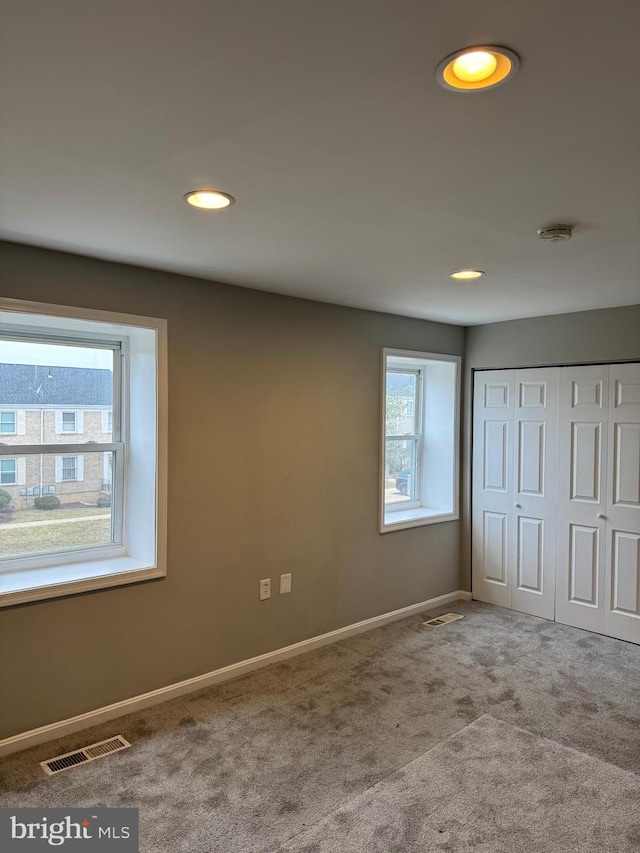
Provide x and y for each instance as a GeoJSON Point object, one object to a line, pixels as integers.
{"type": "Point", "coordinates": [142, 555]}
{"type": "Point", "coordinates": [414, 514]}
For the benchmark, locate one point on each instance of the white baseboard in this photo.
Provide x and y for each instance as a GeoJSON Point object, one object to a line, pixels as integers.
{"type": "Point", "coordinates": [25, 740]}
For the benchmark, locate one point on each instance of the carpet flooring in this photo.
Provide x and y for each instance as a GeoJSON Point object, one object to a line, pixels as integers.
{"type": "Point", "coordinates": [494, 788]}
{"type": "Point", "coordinates": [262, 763]}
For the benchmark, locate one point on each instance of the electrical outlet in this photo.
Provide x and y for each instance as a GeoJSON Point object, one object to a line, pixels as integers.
{"type": "Point", "coordinates": [265, 589]}
{"type": "Point", "coordinates": [285, 583]}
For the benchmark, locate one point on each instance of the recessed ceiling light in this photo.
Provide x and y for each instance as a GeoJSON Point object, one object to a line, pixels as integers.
{"type": "Point", "coordinates": [474, 68]}
{"type": "Point", "coordinates": [209, 199]}
{"type": "Point", "coordinates": [466, 275]}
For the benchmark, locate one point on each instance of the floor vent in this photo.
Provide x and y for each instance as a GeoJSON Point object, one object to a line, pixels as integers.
{"type": "Point", "coordinates": [443, 620]}
{"type": "Point", "coordinates": [80, 756]}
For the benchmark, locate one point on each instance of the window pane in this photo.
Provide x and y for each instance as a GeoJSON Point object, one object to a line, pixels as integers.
{"type": "Point", "coordinates": [56, 503]}
{"type": "Point", "coordinates": [69, 468]}
{"type": "Point", "coordinates": [400, 480]}
{"type": "Point", "coordinates": [401, 405]}
{"type": "Point", "coordinates": [60, 390]}
{"type": "Point", "coordinates": [7, 471]}
{"type": "Point", "coordinates": [7, 421]}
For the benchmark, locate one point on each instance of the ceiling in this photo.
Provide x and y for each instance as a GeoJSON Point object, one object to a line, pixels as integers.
{"type": "Point", "coordinates": [358, 179]}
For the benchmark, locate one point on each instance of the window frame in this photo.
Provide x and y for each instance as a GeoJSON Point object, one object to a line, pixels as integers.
{"type": "Point", "coordinates": [75, 468]}
{"type": "Point", "coordinates": [75, 421]}
{"type": "Point", "coordinates": [138, 548]}
{"type": "Point", "coordinates": [13, 459]}
{"type": "Point", "coordinates": [416, 438]}
{"type": "Point", "coordinates": [415, 513]}
{"type": "Point", "coordinates": [13, 412]}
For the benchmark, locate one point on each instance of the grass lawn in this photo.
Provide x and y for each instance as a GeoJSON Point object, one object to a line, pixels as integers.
{"type": "Point", "coordinates": [22, 515]}
{"type": "Point", "coordinates": [53, 537]}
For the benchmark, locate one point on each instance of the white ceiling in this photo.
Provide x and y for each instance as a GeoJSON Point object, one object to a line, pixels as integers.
{"type": "Point", "coordinates": [358, 179]}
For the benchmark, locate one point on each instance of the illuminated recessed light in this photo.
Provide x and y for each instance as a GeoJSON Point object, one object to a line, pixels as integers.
{"type": "Point", "coordinates": [209, 199]}
{"type": "Point", "coordinates": [474, 68]}
{"type": "Point", "coordinates": [466, 275]}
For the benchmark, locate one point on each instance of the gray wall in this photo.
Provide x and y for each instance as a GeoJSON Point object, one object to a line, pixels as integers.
{"type": "Point", "coordinates": [273, 467]}
{"type": "Point", "coordinates": [611, 334]}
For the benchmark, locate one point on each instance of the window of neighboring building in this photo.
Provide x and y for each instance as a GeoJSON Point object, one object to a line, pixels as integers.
{"type": "Point", "coordinates": [69, 468]}
{"type": "Point", "coordinates": [68, 422]}
{"type": "Point", "coordinates": [69, 368]}
{"type": "Point", "coordinates": [8, 472]}
{"type": "Point", "coordinates": [420, 439]}
{"type": "Point", "coordinates": [8, 422]}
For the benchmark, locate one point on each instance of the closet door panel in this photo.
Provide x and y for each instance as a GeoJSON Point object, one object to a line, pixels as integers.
{"type": "Point", "coordinates": [622, 576]}
{"type": "Point", "coordinates": [582, 502]}
{"type": "Point", "coordinates": [492, 546]}
{"type": "Point", "coordinates": [533, 516]}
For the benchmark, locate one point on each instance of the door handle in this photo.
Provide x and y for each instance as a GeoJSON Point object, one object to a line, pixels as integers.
{"type": "Point", "coordinates": [518, 506]}
{"type": "Point", "coordinates": [601, 515]}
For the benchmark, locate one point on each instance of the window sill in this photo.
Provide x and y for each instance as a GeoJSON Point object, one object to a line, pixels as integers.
{"type": "Point", "coordinates": [402, 519]}
{"type": "Point", "coordinates": [22, 586]}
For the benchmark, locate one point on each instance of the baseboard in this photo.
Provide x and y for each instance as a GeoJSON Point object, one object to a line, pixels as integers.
{"type": "Point", "coordinates": [31, 738]}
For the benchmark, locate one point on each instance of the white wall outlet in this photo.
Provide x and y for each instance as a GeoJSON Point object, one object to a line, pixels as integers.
{"type": "Point", "coordinates": [285, 583]}
{"type": "Point", "coordinates": [265, 589]}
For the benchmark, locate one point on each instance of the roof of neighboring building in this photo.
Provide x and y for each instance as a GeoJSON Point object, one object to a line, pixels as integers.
{"type": "Point", "coordinates": [28, 385]}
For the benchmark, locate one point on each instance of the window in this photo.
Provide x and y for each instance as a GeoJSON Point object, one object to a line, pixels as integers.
{"type": "Point", "coordinates": [8, 422]}
{"type": "Point", "coordinates": [419, 478]}
{"type": "Point", "coordinates": [65, 421]}
{"type": "Point", "coordinates": [91, 387]}
{"type": "Point", "coordinates": [8, 472]}
{"type": "Point", "coordinates": [68, 422]}
{"type": "Point", "coordinates": [69, 468]}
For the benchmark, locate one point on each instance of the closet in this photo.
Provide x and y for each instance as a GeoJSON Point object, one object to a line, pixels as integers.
{"type": "Point", "coordinates": [556, 494]}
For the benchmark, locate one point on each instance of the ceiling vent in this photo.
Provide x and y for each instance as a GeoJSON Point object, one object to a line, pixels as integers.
{"type": "Point", "coordinates": [555, 233]}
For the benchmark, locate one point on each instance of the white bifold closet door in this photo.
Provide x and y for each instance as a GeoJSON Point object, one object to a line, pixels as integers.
{"type": "Point", "coordinates": [598, 578]}
{"type": "Point", "coordinates": [582, 496]}
{"type": "Point", "coordinates": [622, 549]}
{"type": "Point", "coordinates": [556, 494]}
{"type": "Point", "coordinates": [514, 492]}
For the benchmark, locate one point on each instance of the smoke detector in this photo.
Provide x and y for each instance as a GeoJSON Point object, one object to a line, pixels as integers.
{"type": "Point", "coordinates": [556, 233]}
